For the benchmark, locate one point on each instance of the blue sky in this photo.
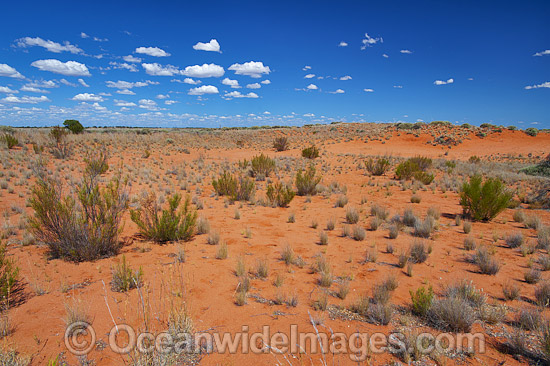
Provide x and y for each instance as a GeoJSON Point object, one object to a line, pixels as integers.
{"type": "Point", "coordinates": [243, 63]}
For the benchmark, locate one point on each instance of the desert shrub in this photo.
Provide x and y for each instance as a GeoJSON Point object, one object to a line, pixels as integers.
{"type": "Point", "coordinates": [375, 223]}
{"type": "Point", "coordinates": [510, 290]}
{"type": "Point", "coordinates": [81, 229]}
{"type": "Point", "coordinates": [542, 294]}
{"type": "Point", "coordinates": [422, 300]}
{"type": "Point", "coordinates": [543, 237]}
{"type": "Point", "coordinates": [492, 314]}
{"type": "Point", "coordinates": [531, 131]}
{"type": "Point", "coordinates": [58, 134]}
{"type": "Point", "coordinates": [518, 216]}
{"type": "Point", "coordinates": [262, 165]}
{"type": "Point", "coordinates": [532, 276]}
{"type": "Point", "coordinates": [423, 229]}
{"type": "Point", "coordinates": [415, 198]}
{"type": "Point", "coordinates": [379, 313]}
{"type": "Point", "coordinates": [331, 223]}
{"type": "Point", "coordinates": [483, 201]}
{"type": "Point", "coordinates": [469, 243]}
{"type": "Point", "coordinates": [311, 152]}
{"type": "Point", "coordinates": [378, 167]}
{"type": "Point", "coordinates": [279, 194]}
{"type": "Point", "coordinates": [418, 251]}
{"type": "Point", "coordinates": [280, 143]}
{"type": "Point", "coordinates": [168, 224]}
{"type": "Point", "coordinates": [323, 238]}
{"type": "Point", "coordinates": [467, 227]}
{"type": "Point", "coordinates": [415, 167]}
{"type": "Point", "coordinates": [213, 238]}
{"type": "Point", "coordinates": [529, 319]}
{"type": "Point", "coordinates": [74, 126]}
{"type": "Point", "coordinates": [409, 218]}
{"type": "Point", "coordinates": [352, 216]}
{"type": "Point", "coordinates": [262, 268]}
{"type": "Point", "coordinates": [542, 168]}
{"type": "Point", "coordinates": [236, 188]}
{"type": "Point", "coordinates": [393, 231]}
{"type": "Point", "coordinates": [341, 201]}
{"type": "Point", "coordinates": [306, 182]}
{"type": "Point", "coordinates": [544, 261]}
{"type": "Point", "coordinates": [358, 233]}
{"type": "Point", "coordinates": [452, 313]}
{"type": "Point", "coordinates": [10, 140]}
{"type": "Point", "coordinates": [486, 262]}
{"type": "Point", "coordinates": [402, 260]}
{"type": "Point", "coordinates": [97, 161]}
{"type": "Point", "coordinates": [514, 240]}
{"type": "Point", "coordinates": [124, 278]}
{"type": "Point", "coordinates": [343, 289]}
{"type": "Point", "coordinates": [203, 226]}
{"type": "Point", "coordinates": [467, 291]}
{"type": "Point", "coordinates": [9, 274]}
{"type": "Point", "coordinates": [287, 255]}
{"type": "Point", "coordinates": [379, 211]}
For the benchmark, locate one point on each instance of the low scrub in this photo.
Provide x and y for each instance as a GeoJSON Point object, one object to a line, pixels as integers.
{"type": "Point", "coordinates": [169, 224]}
{"type": "Point", "coordinates": [452, 313]}
{"type": "Point", "coordinates": [262, 166]}
{"type": "Point", "coordinates": [311, 152]}
{"type": "Point", "coordinates": [9, 274]}
{"type": "Point", "coordinates": [280, 143]}
{"type": "Point", "coordinates": [483, 201]}
{"type": "Point", "coordinates": [422, 300]}
{"type": "Point", "coordinates": [377, 167]}
{"type": "Point", "coordinates": [81, 228]}
{"type": "Point", "coordinates": [306, 182]}
{"type": "Point", "coordinates": [236, 188]}
{"type": "Point", "coordinates": [415, 168]}
{"type": "Point", "coordinates": [10, 140]}
{"type": "Point", "coordinates": [280, 194]}
{"type": "Point", "coordinates": [124, 278]}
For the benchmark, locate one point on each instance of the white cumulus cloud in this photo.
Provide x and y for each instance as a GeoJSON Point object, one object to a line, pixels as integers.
{"type": "Point", "coordinates": [152, 51]}
{"type": "Point", "coordinates": [213, 46]}
{"type": "Point", "coordinates": [347, 77]}
{"type": "Point", "coordinates": [87, 97]}
{"type": "Point", "coordinates": [203, 71]}
{"type": "Point", "coordinates": [312, 87]}
{"type": "Point", "coordinates": [5, 89]}
{"type": "Point", "coordinates": [342, 44]}
{"type": "Point", "coordinates": [444, 82]}
{"type": "Point", "coordinates": [49, 45]}
{"type": "Point", "coordinates": [69, 68]}
{"type": "Point", "coordinates": [254, 86]}
{"type": "Point", "coordinates": [132, 58]}
{"type": "Point", "coordinates": [542, 53]}
{"type": "Point", "coordinates": [368, 90]}
{"type": "Point", "coordinates": [309, 76]}
{"type": "Point", "coordinates": [25, 99]}
{"type": "Point", "coordinates": [252, 68]}
{"type": "Point", "coordinates": [205, 89]}
{"type": "Point", "coordinates": [83, 83]}
{"type": "Point", "coordinates": [232, 83]}
{"type": "Point", "coordinates": [369, 41]}
{"type": "Point", "coordinates": [265, 82]}
{"type": "Point", "coordinates": [543, 85]}
{"type": "Point", "coordinates": [407, 52]}
{"type": "Point", "coordinates": [237, 94]}
{"type": "Point", "coordinates": [8, 71]}
{"type": "Point", "coordinates": [338, 91]}
{"type": "Point", "coordinates": [156, 69]}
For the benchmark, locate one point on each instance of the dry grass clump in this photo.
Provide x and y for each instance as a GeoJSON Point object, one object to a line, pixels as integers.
{"type": "Point", "coordinates": [306, 182]}
{"type": "Point", "coordinates": [510, 290]}
{"type": "Point", "coordinates": [418, 251]}
{"type": "Point", "coordinates": [352, 216]}
{"type": "Point", "coordinates": [221, 252]}
{"type": "Point", "coordinates": [486, 262]}
{"type": "Point", "coordinates": [469, 243]}
{"type": "Point", "coordinates": [424, 229]}
{"type": "Point", "coordinates": [358, 233]}
{"type": "Point", "coordinates": [514, 240]}
{"type": "Point", "coordinates": [124, 278]}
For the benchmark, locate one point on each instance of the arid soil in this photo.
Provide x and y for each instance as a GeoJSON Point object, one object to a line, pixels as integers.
{"type": "Point", "coordinates": [187, 161]}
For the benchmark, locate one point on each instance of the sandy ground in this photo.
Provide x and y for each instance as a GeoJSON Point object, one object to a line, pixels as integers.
{"type": "Point", "coordinates": [208, 285]}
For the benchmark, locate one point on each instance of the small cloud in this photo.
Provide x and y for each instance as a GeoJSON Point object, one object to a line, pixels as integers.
{"type": "Point", "coordinates": [407, 52]}
{"type": "Point", "coordinates": [369, 90]}
{"type": "Point", "coordinates": [8, 71]}
{"type": "Point", "coordinates": [5, 89]}
{"type": "Point", "coordinates": [312, 87]}
{"type": "Point", "coordinates": [232, 83]}
{"type": "Point", "coordinates": [309, 76]}
{"type": "Point", "coordinates": [84, 35]}
{"type": "Point", "coordinates": [212, 46]}
{"type": "Point", "coordinates": [205, 89]}
{"type": "Point", "coordinates": [254, 86]}
{"type": "Point", "coordinates": [385, 56]}
{"type": "Point", "coordinates": [542, 53]}
{"type": "Point", "coordinates": [237, 94]}
{"type": "Point", "coordinates": [48, 45]}
{"type": "Point", "coordinates": [162, 96]}
{"type": "Point", "coordinates": [343, 44]}
{"type": "Point", "coordinates": [203, 71]}
{"type": "Point", "coordinates": [265, 82]}
{"type": "Point", "coordinates": [398, 86]}
{"type": "Point", "coordinates": [69, 68]}
{"type": "Point", "coordinates": [347, 77]}
{"type": "Point", "coordinates": [83, 83]}
{"type": "Point", "coordinates": [369, 41]}
{"type": "Point", "coordinates": [252, 68]}
{"type": "Point", "coordinates": [87, 97]}
{"type": "Point", "coordinates": [443, 82]}
{"type": "Point", "coordinates": [25, 99]}
{"type": "Point", "coordinates": [307, 67]}
{"type": "Point", "coordinates": [152, 51]}
{"type": "Point", "coordinates": [131, 58]}
{"type": "Point", "coordinates": [543, 85]}
{"type": "Point", "coordinates": [338, 91]}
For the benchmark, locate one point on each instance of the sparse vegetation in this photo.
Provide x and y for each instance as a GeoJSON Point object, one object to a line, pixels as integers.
{"type": "Point", "coordinates": [483, 201]}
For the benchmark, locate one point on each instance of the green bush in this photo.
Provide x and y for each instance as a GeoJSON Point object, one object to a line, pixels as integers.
{"type": "Point", "coordinates": [74, 126]}
{"type": "Point", "coordinates": [415, 167]}
{"type": "Point", "coordinates": [306, 182]}
{"type": "Point", "coordinates": [425, 178]}
{"type": "Point", "coordinates": [280, 143]}
{"type": "Point", "coordinates": [421, 300]}
{"type": "Point", "coordinates": [58, 134]}
{"type": "Point", "coordinates": [483, 201]}
{"type": "Point", "coordinates": [236, 188]}
{"type": "Point", "coordinates": [531, 131]}
{"type": "Point", "coordinates": [378, 167]}
{"type": "Point", "coordinates": [11, 141]}
{"type": "Point", "coordinates": [311, 152]}
{"type": "Point", "coordinates": [124, 279]}
{"type": "Point", "coordinates": [280, 194]}
{"type": "Point", "coordinates": [82, 228]}
{"type": "Point", "coordinates": [542, 169]}
{"type": "Point", "coordinates": [262, 165]}
{"type": "Point", "coordinates": [9, 274]}
{"type": "Point", "coordinates": [170, 225]}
